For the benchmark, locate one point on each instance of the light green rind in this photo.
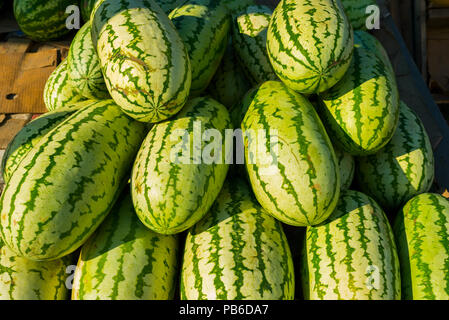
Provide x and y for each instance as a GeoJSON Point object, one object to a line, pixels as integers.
{"type": "Point", "coordinates": [144, 61]}
{"type": "Point", "coordinates": [317, 59]}
{"type": "Point", "coordinates": [66, 185]}
{"type": "Point", "coordinates": [171, 189]}
{"type": "Point", "coordinates": [346, 163]}
{"type": "Point", "coordinates": [296, 178]}
{"type": "Point", "coordinates": [237, 252]}
{"type": "Point", "coordinates": [23, 279]}
{"type": "Point", "coordinates": [58, 93]}
{"type": "Point", "coordinates": [123, 260]}
{"type": "Point", "coordinates": [401, 170]}
{"type": "Point", "coordinates": [356, 12]}
{"type": "Point", "coordinates": [422, 234]}
{"type": "Point", "coordinates": [204, 27]}
{"type": "Point", "coordinates": [83, 67]}
{"type": "Point", "coordinates": [352, 255]}
{"type": "Point", "coordinates": [249, 39]}
{"type": "Point", "coordinates": [229, 85]}
{"type": "Point", "coordinates": [361, 112]}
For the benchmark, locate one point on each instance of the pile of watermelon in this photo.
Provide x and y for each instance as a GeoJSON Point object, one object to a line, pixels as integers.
{"type": "Point", "coordinates": [113, 179]}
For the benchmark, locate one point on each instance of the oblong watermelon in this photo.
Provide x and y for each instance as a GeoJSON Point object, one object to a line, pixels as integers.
{"type": "Point", "coordinates": [361, 112]}
{"type": "Point", "coordinates": [204, 27]}
{"type": "Point", "coordinates": [237, 252]}
{"type": "Point", "coordinates": [289, 158]}
{"type": "Point", "coordinates": [352, 255]}
{"type": "Point", "coordinates": [356, 10]}
{"type": "Point", "coordinates": [83, 67]}
{"type": "Point", "coordinates": [58, 92]}
{"type": "Point", "coordinates": [66, 185]}
{"type": "Point", "coordinates": [401, 170]}
{"type": "Point", "coordinates": [23, 279]}
{"type": "Point", "coordinates": [43, 20]}
{"type": "Point", "coordinates": [176, 177]}
{"type": "Point", "coordinates": [144, 61]}
{"type": "Point", "coordinates": [249, 37]}
{"type": "Point", "coordinates": [421, 230]}
{"type": "Point", "coordinates": [124, 260]}
{"type": "Point", "coordinates": [310, 44]}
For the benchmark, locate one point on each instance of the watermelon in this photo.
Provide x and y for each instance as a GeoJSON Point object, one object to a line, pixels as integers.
{"type": "Point", "coordinates": [66, 185]}
{"type": "Point", "coordinates": [58, 92]}
{"type": "Point", "coordinates": [320, 57]}
{"type": "Point", "coordinates": [28, 137]}
{"type": "Point", "coordinates": [124, 260]}
{"type": "Point", "coordinates": [401, 170]}
{"type": "Point", "coordinates": [421, 230]}
{"type": "Point", "coordinates": [87, 6]}
{"type": "Point", "coordinates": [83, 67]}
{"type": "Point", "coordinates": [169, 5]}
{"type": "Point", "coordinates": [235, 6]}
{"type": "Point", "coordinates": [352, 255]}
{"type": "Point", "coordinates": [289, 158]}
{"type": "Point", "coordinates": [23, 279]}
{"type": "Point", "coordinates": [144, 61]}
{"type": "Point", "coordinates": [356, 12]}
{"type": "Point", "coordinates": [369, 42]}
{"type": "Point", "coordinates": [204, 27]}
{"type": "Point", "coordinates": [229, 85]}
{"type": "Point", "coordinates": [361, 112]}
{"type": "Point", "coordinates": [249, 38]}
{"type": "Point", "coordinates": [173, 190]}
{"type": "Point", "coordinates": [346, 163]}
{"type": "Point", "coordinates": [237, 252]}
{"type": "Point", "coordinates": [43, 20]}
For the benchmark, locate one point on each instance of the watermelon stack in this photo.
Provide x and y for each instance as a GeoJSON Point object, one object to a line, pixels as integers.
{"type": "Point", "coordinates": [190, 144]}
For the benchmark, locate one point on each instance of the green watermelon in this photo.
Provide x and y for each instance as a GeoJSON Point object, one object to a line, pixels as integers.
{"type": "Point", "coordinates": [229, 85]}
{"type": "Point", "coordinates": [144, 61]}
{"type": "Point", "coordinates": [43, 20]}
{"type": "Point", "coordinates": [352, 255]}
{"type": "Point", "coordinates": [204, 27]}
{"type": "Point", "coordinates": [173, 190]}
{"type": "Point", "coordinates": [369, 42]}
{"type": "Point", "coordinates": [169, 5]}
{"type": "Point", "coordinates": [317, 59]}
{"type": "Point", "coordinates": [237, 252]}
{"type": "Point", "coordinates": [124, 260]}
{"type": "Point", "coordinates": [235, 6]}
{"type": "Point", "coordinates": [249, 38]}
{"type": "Point", "coordinates": [356, 12]}
{"type": "Point", "coordinates": [361, 112]}
{"type": "Point", "coordinates": [65, 186]}
{"type": "Point", "coordinates": [87, 7]}
{"type": "Point", "coordinates": [58, 92]}
{"type": "Point", "coordinates": [294, 171]}
{"type": "Point", "coordinates": [83, 67]}
{"type": "Point", "coordinates": [401, 170]}
{"type": "Point", "coordinates": [346, 163]}
{"type": "Point", "coordinates": [421, 231]}
{"type": "Point", "coordinates": [23, 279]}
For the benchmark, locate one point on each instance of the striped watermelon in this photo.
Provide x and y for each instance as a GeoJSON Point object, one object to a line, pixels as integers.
{"type": "Point", "coordinates": [170, 5]}
{"type": "Point", "coordinates": [352, 256]}
{"type": "Point", "coordinates": [66, 185]}
{"type": "Point", "coordinates": [83, 67]}
{"type": "Point", "coordinates": [369, 42]}
{"type": "Point", "coordinates": [124, 260]}
{"type": "Point", "coordinates": [249, 38]}
{"type": "Point", "coordinates": [43, 20]}
{"type": "Point", "coordinates": [23, 279]}
{"type": "Point", "coordinates": [356, 12]}
{"type": "Point", "coordinates": [204, 27]}
{"type": "Point", "coordinates": [422, 235]}
{"type": "Point", "coordinates": [172, 191]}
{"type": "Point", "coordinates": [28, 137]}
{"type": "Point", "coordinates": [401, 170]}
{"type": "Point", "coordinates": [298, 179]}
{"type": "Point", "coordinates": [318, 58]}
{"type": "Point", "coordinates": [229, 85]}
{"type": "Point", "coordinates": [58, 92]}
{"type": "Point", "coordinates": [86, 9]}
{"type": "Point", "coordinates": [144, 61]}
{"type": "Point", "coordinates": [361, 112]}
{"type": "Point", "coordinates": [237, 252]}
{"type": "Point", "coordinates": [346, 163]}
{"type": "Point", "coordinates": [235, 6]}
